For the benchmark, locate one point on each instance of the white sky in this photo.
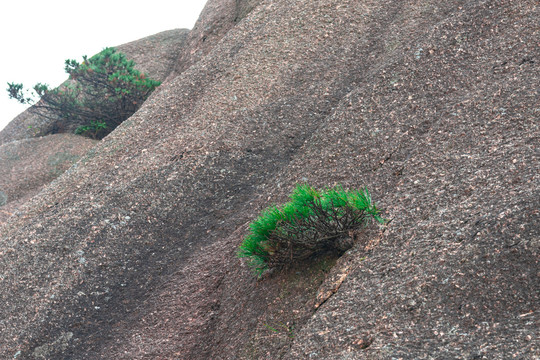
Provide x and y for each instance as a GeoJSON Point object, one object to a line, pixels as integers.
{"type": "Point", "coordinates": [37, 36]}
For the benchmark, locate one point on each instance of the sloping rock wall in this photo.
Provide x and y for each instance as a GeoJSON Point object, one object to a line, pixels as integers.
{"type": "Point", "coordinates": [216, 19]}
{"type": "Point", "coordinates": [156, 55]}
{"type": "Point", "coordinates": [28, 165]}
{"type": "Point", "coordinates": [431, 105]}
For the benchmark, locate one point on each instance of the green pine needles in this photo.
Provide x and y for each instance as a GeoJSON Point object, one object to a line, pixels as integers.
{"type": "Point", "coordinates": [101, 93]}
{"type": "Point", "coordinates": [311, 222]}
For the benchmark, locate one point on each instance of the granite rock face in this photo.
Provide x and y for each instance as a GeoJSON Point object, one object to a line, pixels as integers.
{"type": "Point", "coordinates": [432, 105]}
{"type": "Point", "coordinates": [216, 19]}
{"type": "Point", "coordinates": [29, 165]}
{"type": "Point", "coordinates": [156, 55]}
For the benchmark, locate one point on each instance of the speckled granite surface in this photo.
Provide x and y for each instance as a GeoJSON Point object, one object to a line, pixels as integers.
{"type": "Point", "coordinates": [432, 105]}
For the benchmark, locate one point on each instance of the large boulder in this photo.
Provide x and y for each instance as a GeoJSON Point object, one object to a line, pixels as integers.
{"type": "Point", "coordinates": [156, 55]}
{"type": "Point", "coordinates": [29, 165]}
{"type": "Point", "coordinates": [432, 105]}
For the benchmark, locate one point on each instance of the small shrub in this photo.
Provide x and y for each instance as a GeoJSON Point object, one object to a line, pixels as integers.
{"type": "Point", "coordinates": [311, 222]}
{"type": "Point", "coordinates": [94, 130]}
{"type": "Point", "coordinates": [104, 89]}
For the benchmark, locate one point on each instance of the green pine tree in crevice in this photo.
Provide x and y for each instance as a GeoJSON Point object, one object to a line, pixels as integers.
{"type": "Point", "coordinates": [311, 222]}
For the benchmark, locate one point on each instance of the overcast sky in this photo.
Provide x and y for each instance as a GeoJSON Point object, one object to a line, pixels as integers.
{"type": "Point", "coordinates": [37, 36]}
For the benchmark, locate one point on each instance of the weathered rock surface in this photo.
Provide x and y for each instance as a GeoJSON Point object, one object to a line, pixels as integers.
{"type": "Point", "coordinates": [26, 125]}
{"type": "Point", "coordinates": [156, 55]}
{"type": "Point", "coordinates": [216, 19]}
{"type": "Point", "coordinates": [432, 105]}
{"type": "Point", "coordinates": [28, 165]}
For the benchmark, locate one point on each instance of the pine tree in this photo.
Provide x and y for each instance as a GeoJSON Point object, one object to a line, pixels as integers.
{"type": "Point", "coordinates": [311, 222]}
{"type": "Point", "coordinates": [101, 93]}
